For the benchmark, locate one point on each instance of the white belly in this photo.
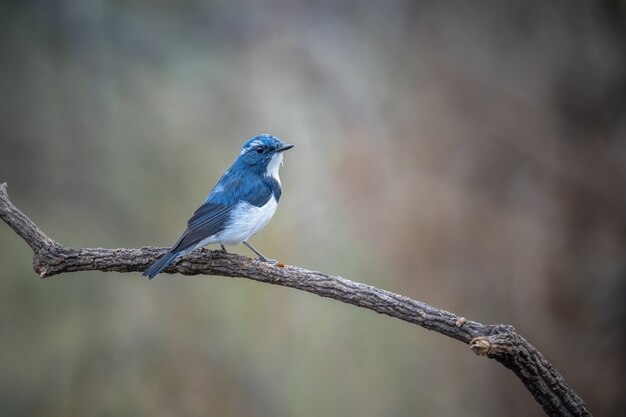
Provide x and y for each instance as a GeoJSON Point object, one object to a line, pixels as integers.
{"type": "Point", "coordinates": [246, 220]}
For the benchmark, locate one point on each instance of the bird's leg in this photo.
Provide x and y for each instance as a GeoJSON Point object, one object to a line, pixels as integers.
{"type": "Point", "coordinates": [223, 248]}
{"type": "Point", "coordinates": [260, 255]}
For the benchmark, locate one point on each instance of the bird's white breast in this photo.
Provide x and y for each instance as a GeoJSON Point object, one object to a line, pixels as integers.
{"type": "Point", "coordinates": [274, 165]}
{"type": "Point", "coordinates": [246, 220]}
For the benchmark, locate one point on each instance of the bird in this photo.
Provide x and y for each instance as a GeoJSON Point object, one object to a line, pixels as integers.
{"type": "Point", "coordinates": [242, 202]}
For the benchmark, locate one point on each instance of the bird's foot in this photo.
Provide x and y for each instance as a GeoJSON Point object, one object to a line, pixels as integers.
{"type": "Point", "coordinates": [268, 260]}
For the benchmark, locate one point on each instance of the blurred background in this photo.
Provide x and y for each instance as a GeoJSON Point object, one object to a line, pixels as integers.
{"type": "Point", "coordinates": [472, 156]}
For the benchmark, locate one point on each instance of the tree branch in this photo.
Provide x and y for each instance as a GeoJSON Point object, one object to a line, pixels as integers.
{"type": "Point", "coordinates": [499, 342]}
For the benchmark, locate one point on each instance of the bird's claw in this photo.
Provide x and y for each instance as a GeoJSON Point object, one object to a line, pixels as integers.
{"type": "Point", "coordinates": [268, 260]}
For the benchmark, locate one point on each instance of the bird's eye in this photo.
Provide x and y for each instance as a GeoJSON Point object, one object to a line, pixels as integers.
{"type": "Point", "coordinates": [259, 149]}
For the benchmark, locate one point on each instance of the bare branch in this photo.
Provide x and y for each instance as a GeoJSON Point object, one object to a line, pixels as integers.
{"type": "Point", "coordinates": [499, 342]}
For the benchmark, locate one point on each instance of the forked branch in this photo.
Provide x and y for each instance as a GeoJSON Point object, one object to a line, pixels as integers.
{"type": "Point", "coordinates": [499, 342]}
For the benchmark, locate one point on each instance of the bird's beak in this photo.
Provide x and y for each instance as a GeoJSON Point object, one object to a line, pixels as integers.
{"type": "Point", "coordinates": [284, 148]}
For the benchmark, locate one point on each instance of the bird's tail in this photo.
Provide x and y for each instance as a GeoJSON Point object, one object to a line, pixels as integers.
{"type": "Point", "coordinates": [160, 264]}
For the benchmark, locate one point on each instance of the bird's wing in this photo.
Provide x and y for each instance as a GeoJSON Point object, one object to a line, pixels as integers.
{"type": "Point", "coordinates": [209, 219]}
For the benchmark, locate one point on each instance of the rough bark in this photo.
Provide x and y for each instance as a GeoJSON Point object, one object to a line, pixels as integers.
{"type": "Point", "coordinates": [498, 341]}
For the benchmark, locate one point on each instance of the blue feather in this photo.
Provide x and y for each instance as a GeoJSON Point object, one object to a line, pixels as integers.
{"type": "Point", "coordinates": [238, 185]}
{"type": "Point", "coordinates": [252, 180]}
{"type": "Point", "coordinates": [160, 265]}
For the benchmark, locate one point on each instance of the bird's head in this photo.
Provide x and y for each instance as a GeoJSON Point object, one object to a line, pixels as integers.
{"type": "Point", "coordinates": [264, 152]}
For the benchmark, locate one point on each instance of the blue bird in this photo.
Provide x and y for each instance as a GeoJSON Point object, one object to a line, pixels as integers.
{"type": "Point", "coordinates": [242, 202]}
